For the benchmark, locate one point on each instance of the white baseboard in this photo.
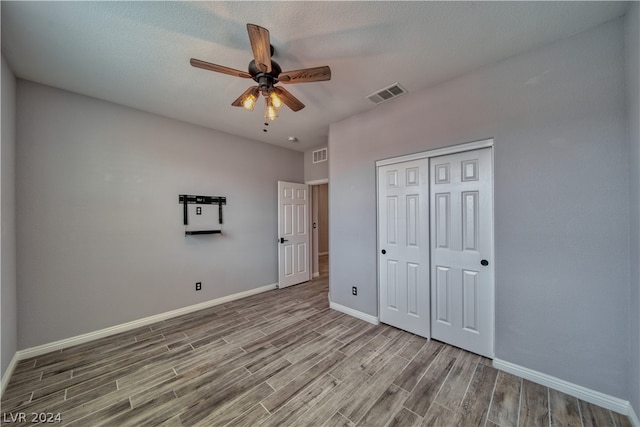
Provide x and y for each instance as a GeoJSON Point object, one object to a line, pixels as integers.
{"type": "Point", "coordinates": [606, 401]}
{"type": "Point", "coordinates": [80, 339]}
{"type": "Point", "coordinates": [6, 376]}
{"type": "Point", "coordinates": [354, 313]}
{"type": "Point", "coordinates": [316, 275]}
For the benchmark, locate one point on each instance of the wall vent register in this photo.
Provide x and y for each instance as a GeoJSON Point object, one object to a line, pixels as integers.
{"type": "Point", "coordinates": [320, 155]}
{"type": "Point", "coordinates": [387, 94]}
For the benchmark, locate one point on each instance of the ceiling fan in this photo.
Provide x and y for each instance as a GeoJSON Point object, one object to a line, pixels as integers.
{"type": "Point", "coordinates": [266, 72]}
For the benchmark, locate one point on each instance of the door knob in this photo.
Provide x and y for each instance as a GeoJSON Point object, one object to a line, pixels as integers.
{"type": "Point", "coordinates": [282, 240]}
{"type": "Point", "coordinates": [384, 251]}
{"type": "Point", "coordinates": [484, 262]}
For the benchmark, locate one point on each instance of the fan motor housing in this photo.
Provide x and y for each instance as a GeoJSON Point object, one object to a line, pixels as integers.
{"type": "Point", "coordinates": [256, 73]}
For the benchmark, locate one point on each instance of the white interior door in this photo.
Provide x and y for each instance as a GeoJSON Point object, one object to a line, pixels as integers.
{"type": "Point", "coordinates": [462, 279]}
{"type": "Point", "coordinates": [293, 233]}
{"type": "Point", "coordinates": [403, 245]}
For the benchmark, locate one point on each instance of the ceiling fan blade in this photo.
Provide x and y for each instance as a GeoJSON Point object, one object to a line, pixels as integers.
{"type": "Point", "coordinates": [261, 46]}
{"type": "Point", "coordinates": [238, 102]}
{"type": "Point", "coordinates": [288, 99]}
{"type": "Point", "coordinates": [315, 74]}
{"type": "Point", "coordinates": [219, 68]}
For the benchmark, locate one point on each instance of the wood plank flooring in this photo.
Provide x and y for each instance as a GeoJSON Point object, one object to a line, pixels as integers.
{"type": "Point", "coordinates": [276, 359]}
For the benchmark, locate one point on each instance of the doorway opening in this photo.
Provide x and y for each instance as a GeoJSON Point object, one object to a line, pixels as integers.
{"type": "Point", "coordinates": [320, 229]}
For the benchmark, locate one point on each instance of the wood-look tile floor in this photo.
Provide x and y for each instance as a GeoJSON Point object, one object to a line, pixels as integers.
{"type": "Point", "coordinates": [281, 358]}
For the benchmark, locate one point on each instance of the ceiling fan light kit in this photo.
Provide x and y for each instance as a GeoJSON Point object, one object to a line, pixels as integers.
{"type": "Point", "coordinates": [275, 100]}
{"type": "Point", "coordinates": [270, 111]}
{"type": "Point", "coordinates": [266, 72]}
{"type": "Point", "coordinates": [249, 102]}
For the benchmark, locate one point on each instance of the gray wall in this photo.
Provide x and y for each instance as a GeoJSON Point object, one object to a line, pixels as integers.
{"type": "Point", "coordinates": [558, 116]}
{"type": "Point", "coordinates": [8, 292]}
{"type": "Point", "coordinates": [101, 240]}
{"type": "Point", "coordinates": [632, 38]}
{"type": "Point", "coordinates": [314, 171]}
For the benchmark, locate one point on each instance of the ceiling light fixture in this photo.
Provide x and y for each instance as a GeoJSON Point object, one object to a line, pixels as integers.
{"type": "Point", "coordinates": [249, 102]}
{"type": "Point", "coordinates": [275, 100]}
{"type": "Point", "coordinates": [272, 100]}
{"type": "Point", "coordinates": [266, 73]}
{"type": "Point", "coordinates": [270, 110]}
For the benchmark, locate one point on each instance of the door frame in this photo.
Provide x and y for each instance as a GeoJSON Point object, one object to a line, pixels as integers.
{"type": "Point", "coordinates": [453, 149]}
{"type": "Point", "coordinates": [313, 253]}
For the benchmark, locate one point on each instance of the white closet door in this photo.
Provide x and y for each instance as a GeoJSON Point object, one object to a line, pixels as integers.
{"type": "Point", "coordinates": [462, 279]}
{"type": "Point", "coordinates": [403, 245]}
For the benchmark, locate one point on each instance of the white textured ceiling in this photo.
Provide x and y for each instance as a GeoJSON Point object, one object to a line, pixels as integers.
{"type": "Point", "coordinates": [137, 53]}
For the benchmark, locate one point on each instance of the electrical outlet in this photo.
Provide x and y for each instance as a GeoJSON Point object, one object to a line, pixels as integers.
{"type": "Point", "coordinates": [354, 290]}
{"type": "Point", "coordinates": [198, 286]}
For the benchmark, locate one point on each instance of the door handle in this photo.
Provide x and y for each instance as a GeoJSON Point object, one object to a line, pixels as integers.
{"type": "Point", "coordinates": [484, 262]}
{"type": "Point", "coordinates": [384, 251]}
{"type": "Point", "coordinates": [282, 240]}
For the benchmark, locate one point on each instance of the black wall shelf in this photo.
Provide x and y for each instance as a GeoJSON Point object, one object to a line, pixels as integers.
{"type": "Point", "coordinates": [195, 233]}
{"type": "Point", "coordinates": [186, 199]}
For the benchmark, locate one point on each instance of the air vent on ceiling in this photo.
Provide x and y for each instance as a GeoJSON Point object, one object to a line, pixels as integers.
{"type": "Point", "coordinates": [320, 155]}
{"type": "Point", "coordinates": [387, 93]}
